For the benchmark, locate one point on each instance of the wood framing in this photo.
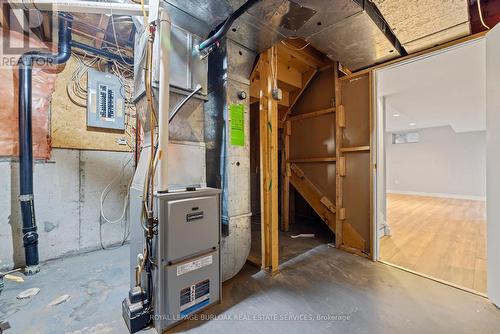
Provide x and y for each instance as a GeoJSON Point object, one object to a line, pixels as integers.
{"type": "Point", "coordinates": [311, 114]}
{"type": "Point", "coordinates": [268, 114]}
{"type": "Point", "coordinates": [285, 214]}
{"type": "Point", "coordinates": [339, 125]}
{"type": "Point", "coordinates": [355, 149]}
{"type": "Point", "coordinates": [313, 160]}
{"type": "Point", "coordinates": [354, 168]}
{"type": "Point", "coordinates": [306, 79]}
{"type": "Point", "coordinates": [318, 201]}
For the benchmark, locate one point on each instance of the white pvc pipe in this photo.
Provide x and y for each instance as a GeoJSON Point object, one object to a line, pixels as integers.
{"type": "Point", "coordinates": [79, 6]}
{"type": "Point", "coordinates": [164, 92]}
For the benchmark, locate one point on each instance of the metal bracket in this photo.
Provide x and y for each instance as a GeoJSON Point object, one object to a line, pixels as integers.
{"type": "Point", "coordinates": [25, 198]}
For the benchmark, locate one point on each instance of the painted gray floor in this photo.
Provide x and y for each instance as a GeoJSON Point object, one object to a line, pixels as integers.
{"type": "Point", "coordinates": [352, 294]}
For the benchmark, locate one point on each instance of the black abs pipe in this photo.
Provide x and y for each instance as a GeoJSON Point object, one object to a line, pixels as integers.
{"type": "Point", "coordinates": [26, 62]}
{"type": "Point", "coordinates": [125, 60]}
{"type": "Point", "coordinates": [219, 34]}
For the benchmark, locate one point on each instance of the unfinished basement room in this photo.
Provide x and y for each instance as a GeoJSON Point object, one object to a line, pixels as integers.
{"type": "Point", "coordinates": [249, 166]}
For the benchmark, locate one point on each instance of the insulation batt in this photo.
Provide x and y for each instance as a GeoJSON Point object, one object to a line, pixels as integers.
{"type": "Point", "coordinates": [43, 87]}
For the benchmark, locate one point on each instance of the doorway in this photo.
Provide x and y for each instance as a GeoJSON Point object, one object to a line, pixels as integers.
{"type": "Point", "coordinates": [431, 176]}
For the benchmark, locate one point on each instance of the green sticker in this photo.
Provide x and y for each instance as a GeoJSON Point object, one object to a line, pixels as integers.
{"type": "Point", "coordinates": [237, 124]}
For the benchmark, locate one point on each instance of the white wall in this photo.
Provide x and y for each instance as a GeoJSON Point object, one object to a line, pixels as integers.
{"type": "Point", "coordinates": [443, 163]}
{"type": "Point", "coordinates": [67, 193]}
{"type": "Point", "coordinates": [493, 161]}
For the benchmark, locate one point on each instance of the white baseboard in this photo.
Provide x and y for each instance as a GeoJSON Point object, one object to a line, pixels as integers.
{"type": "Point", "coordinates": [414, 193]}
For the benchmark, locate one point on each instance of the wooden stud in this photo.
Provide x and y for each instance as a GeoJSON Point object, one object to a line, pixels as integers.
{"type": "Point", "coordinates": [372, 164]}
{"type": "Point", "coordinates": [102, 25]}
{"type": "Point", "coordinates": [313, 160]}
{"type": "Point", "coordinates": [303, 56]}
{"type": "Point", "coordinates": [285, 205]}
{"type": "Point", "coordinates": [306, 78]}
{"type": "Point", "coordinates": [292, 201]}
{"type": "Point", "coordinates": [269, 164]}
{"type": "Point", "coordinates": [273, 132]}
{"type": "Point", "coordinates": [264, 177]}
{"type": "Point", "coordinates": [355, 149]}
{"type": "Point", "coordinates": [312, 114]}
{"type": "Point", "coordinates": [339, 119]}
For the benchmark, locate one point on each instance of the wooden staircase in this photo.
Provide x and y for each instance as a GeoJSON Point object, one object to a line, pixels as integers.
{"type": "Point", "coordinates": [321, 204]}
{"type": "Point", "coordinates": [324, 207]}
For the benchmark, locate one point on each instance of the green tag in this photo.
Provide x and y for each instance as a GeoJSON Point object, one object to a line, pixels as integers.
{"type": "Point", "coordinates": [237, 124]}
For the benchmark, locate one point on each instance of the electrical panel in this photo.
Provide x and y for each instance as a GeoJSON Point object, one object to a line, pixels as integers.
{"type": "Point", "coordinates": [105, 101]}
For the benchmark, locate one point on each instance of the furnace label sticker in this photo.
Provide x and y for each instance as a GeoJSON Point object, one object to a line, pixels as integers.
{"type": "Point", "coordinates": [237, 114]}
{"type": "Point", "coordinates": [193, 265]}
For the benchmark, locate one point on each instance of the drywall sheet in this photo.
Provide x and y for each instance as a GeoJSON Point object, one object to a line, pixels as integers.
{"type": "Point", "coordinates": [69, 122]}
{"type": "Point", "coordinates": [356, 102]}
{"type": "Point", "coordinates": [357, 193]}
{"type": "Point", "coordinates": [43, 86]}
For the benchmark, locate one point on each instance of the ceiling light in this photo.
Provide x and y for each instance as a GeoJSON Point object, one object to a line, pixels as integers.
{"type": "Point", "coordinates": [396, 115]}
{"type": "Point", "coordinates": [413, 124]}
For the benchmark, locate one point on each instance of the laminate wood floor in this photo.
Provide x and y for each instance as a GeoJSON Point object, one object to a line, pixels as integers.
{"type": "Point", "coordinates": [444, 238]}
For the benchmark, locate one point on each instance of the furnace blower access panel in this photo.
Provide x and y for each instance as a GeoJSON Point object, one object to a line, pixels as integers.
{"type": "Point", "coordinates": [189, 271]}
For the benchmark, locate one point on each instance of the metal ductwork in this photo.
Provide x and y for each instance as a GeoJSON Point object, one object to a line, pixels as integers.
{"type": "Point", "coordinates": [351, 31]}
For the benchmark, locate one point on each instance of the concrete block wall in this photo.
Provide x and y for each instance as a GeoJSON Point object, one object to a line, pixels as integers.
{"type": "Point", "coordinates": [67, 204]}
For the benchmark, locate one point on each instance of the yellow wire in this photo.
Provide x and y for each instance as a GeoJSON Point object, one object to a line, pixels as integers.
{"type": "Point", "coordinates": [299, 49]}
{"type": "Point", "coordinates": [481, 14]}
{"type": "Point", "coordinates": [144, 13]}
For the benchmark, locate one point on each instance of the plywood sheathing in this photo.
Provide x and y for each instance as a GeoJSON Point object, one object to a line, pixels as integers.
{"type": "Point", "coordinates": [69, 121]}
{"type": "Point", "coordinates": [420, 24]}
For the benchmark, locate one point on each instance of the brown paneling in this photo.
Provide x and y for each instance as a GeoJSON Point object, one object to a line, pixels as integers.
{"type": "Point", "coordinates": [318, 95]}
{"type": "Point", "coordinates": [356, 102]}
{"type": "Point", "coordinates": [357, 193]}
{"type": "Point", "coordinates": [322, 175]}
{"type": "Point", "coordinates": [313, 137]}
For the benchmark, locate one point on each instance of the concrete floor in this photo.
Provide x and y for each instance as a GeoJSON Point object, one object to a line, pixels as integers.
{"type": "Point", "coordinates": [363, 297]}
{"type": "Point", "coordinates": [290, 247]}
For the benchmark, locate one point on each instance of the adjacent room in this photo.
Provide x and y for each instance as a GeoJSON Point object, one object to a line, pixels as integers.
{"type": "Point", "coordinates": [435, 165]}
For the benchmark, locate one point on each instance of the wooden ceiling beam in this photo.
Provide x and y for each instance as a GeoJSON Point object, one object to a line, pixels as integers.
{"type": "Point", "coordinates": [304, 56]}
{"type": "Point", "coordinates": [102, 26]}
